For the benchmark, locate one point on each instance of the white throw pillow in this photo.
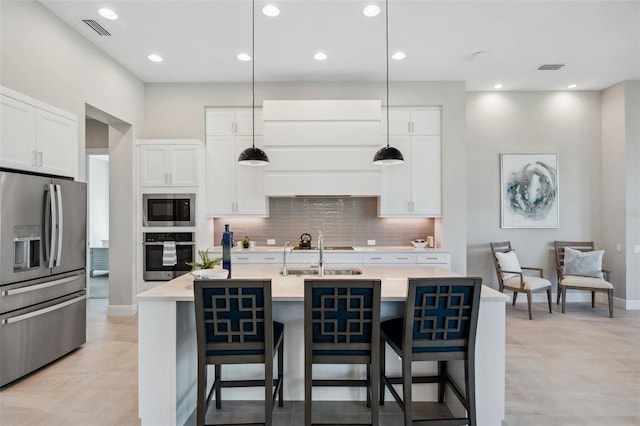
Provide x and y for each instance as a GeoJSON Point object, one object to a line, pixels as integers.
{"type": "Point", "coordinates": [585, 264]}
{"type": "Point", "coordinates": [508, 262]}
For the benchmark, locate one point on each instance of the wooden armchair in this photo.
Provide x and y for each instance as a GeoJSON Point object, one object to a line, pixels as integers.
{"type": "Point", "coordinates": [511, 275]}
{"type": "Point", "coordinates": [579, 282]}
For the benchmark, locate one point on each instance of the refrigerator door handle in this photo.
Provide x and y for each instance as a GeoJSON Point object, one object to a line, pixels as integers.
{"type": "Point", "coordinates": [39, 312]}
{"type": "Point", "coordinates": [60, 225]}
{"type": "Point", "coordinates": [50, 219]}
{"type": "Point", "coordinates": [38, 286]}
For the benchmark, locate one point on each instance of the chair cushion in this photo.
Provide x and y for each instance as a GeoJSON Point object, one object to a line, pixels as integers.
{"type": "Point", "coordinates": [586, 264]}
{"type": "Point", "coordinates": [587, 282]}
{"type": "Point", "coordinates": [508, 261]}
{"type": "Point", "coordinates": [530, 283]}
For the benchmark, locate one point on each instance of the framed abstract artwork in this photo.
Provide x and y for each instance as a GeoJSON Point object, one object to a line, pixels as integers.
{"type": "Point", "coordinates": [529, 191]}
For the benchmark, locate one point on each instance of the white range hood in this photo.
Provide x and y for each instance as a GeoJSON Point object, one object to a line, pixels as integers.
{"type": "Point", "coordinates": [322, 147]}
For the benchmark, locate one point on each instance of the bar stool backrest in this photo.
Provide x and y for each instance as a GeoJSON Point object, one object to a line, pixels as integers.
{"type": "Point", "coordinates": [441, 317]}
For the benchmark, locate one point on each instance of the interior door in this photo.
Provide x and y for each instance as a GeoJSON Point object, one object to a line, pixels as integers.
{"type": "Point", "coordinates": [73, 227]}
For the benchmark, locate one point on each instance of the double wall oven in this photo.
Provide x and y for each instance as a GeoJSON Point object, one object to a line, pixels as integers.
{"type": "Point", "coordinates": [167, 220]}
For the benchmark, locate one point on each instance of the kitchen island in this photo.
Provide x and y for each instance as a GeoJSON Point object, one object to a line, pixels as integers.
{"type": "Point", "coordinates": [167, 345]}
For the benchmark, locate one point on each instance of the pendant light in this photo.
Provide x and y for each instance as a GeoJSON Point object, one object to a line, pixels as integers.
{"type": "Point", "coordinates": [253, 156]}
{"type": "Point", "coordinates": [388, 155]}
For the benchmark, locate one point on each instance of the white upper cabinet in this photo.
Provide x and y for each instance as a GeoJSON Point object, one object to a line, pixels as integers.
{"type": "Point", "coordinates": [233, 189]}
{"type": "Point", "coordinates": [220, 122]}
{"type": "Point", "coordinates": [37, 137]}
{"type": "Point", "coordinates": [413, 188]}
{"type": "Point", "coordinates": [171, 163]}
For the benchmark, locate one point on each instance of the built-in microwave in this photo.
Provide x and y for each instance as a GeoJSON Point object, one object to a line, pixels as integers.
{"type": "Point", "coordinates": [168, 209]}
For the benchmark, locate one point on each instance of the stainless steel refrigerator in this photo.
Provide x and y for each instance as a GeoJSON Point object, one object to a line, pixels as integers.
{"type": "Point", "coordinates": [42, 271]}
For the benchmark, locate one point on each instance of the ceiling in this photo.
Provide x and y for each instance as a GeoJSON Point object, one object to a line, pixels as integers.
{"type": "Point", "coordinates": [598, 41]}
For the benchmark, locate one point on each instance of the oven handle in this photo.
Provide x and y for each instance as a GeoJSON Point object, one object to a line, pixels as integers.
{"type": "Point", "coordinates": [179, 243]}
{"type": "Point", "coordinates": [42, 311]}
{"type": "Point", "coordinates": [38, 286]}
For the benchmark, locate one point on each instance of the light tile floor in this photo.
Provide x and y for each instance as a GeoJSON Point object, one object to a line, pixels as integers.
{"type": "Point", "coordinates": [580, 368]}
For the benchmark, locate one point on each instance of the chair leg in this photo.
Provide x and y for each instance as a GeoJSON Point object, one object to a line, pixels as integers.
{"type": "Point", "coordinates": [268, 391]}
{"type": "Point", "coordinates": [549, 298]}
{"type": "Point", "coordinates": [201, 401]}
{"type": "Point", "coordinates": [593, 299]}
{"type": "Point", "coordinates": [307, 392]}
{"type": "Point", "coordinates": [529, 304]}
{"type": "Point", "coordinates": [610, 294]}
{"type": "Point", "coordinates": [515, 295]}
{"type": "Point", "coordinates": [369, 385]}
{"type": "Point", "coordinates": [375, 384]}
{"type": "Point", "coordinates": [470, 375]}
{"type": "Point", "coordinates": [558, 294]}
{"type": "Point", "coordinates": [442, 371]}
{"type": "Point", "coordinates": [281, 373]}
{"type": "Point", "coordinates": [407, 379]}
{"type": "Point", "coordinates": [382, 370]}
{"type": "Point", "coordinates": [218, 378]}
{"type": "Point", "coordinates": [564, 298]}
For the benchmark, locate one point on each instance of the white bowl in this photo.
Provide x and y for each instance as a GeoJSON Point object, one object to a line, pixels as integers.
{"type": "Point", "coordinates": [210, 274]}
{"type": "Point", "coordinates": [419, 243]}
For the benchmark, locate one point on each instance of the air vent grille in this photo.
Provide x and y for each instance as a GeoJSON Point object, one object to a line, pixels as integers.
{"type": "Point", "coordinates": [95, 25]}
{"type": "Point", "coordinates": [550, 67]}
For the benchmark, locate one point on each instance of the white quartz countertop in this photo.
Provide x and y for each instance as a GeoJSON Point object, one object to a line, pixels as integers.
{"type": "Point", "coordinates": [356, 249]}
{"type": "Point", "coordinates": [291, 288]}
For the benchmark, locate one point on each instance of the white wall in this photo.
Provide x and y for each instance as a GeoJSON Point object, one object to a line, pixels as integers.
{"type": "Point", "coordinates": [44, 58]}
{"type": "Point", "coordinates": [632, 130]}
{"type": "Point", "coordinates": [98, 190]}
{"type": "Point", "coordinates": [566, 123]}
{"type": "Point", "coordinates": [177, 111]}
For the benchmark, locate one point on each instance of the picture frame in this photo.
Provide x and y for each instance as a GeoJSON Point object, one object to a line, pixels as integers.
{"type": "Point", "coordinates": [529, 191]}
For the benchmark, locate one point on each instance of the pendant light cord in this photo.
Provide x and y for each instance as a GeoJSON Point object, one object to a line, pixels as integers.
{"type": "Point", "coordinates": [386, 16]}
{"type": "Point", "coordinates": [253, 75]}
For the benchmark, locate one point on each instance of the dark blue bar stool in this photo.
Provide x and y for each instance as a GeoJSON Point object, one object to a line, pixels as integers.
{"type": "Point", "coordinates": [234, 326]}
{"type": "Point", "coordinates": [440, 321]}
{"type": "Point", "coordinates": [342, 326]}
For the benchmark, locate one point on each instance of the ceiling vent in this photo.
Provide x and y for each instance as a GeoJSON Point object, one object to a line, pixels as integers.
{"type": "Point", "coordinates": [550, 67]}
{"type": "Point", "coordinates": [95, 25]}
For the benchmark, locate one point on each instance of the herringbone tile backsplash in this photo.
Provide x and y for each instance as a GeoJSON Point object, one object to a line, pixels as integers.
{"type": "Point", "coordinates": [349, 221]}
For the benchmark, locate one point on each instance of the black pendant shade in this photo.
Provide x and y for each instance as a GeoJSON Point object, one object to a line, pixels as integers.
{"type": "Point", "coordinates": [253, 156]}
{"type": "Point", "coordinates": [387, 155]}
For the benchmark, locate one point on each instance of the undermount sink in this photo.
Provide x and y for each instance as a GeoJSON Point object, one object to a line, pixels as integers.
{"type": "Point", "coordinates": [350, 271]}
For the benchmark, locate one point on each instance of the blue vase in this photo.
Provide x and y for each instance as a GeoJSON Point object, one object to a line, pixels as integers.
{"type": "Point", "coordinates": [227, 243]}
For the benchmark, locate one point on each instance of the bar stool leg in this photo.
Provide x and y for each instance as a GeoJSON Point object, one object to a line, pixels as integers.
{"type": "Point", "coordinates": [407, 378]}
{"type": "Point", "coordinates": [281, 373]}
{"type": "Point", "coordinates": [218, 378]}
{"type": "Point", "coordinates": [382, 370]}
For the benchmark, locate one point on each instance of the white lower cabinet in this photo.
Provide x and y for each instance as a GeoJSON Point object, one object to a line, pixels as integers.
{"type": "Point", "coordinates": [439, 259]}
{"type": "Point", "coordinates": [233, 189]}
{"type": "Point", "coordinates": [389, 258]}
{"type": "Point", "coordinates": [256, 258]}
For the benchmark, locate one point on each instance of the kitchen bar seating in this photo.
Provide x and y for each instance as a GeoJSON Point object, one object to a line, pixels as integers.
{"type": "Point", "coordinates": [234, 326]}
{"type": "Point", "coordinates": [342, 326]}
{"type": "Point", "coordinates": [441, 317]}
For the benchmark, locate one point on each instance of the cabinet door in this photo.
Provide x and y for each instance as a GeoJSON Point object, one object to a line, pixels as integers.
{"type": "Point", "coordinates": [17, 134]}
{"type": "Point", "coordinates": [425, 122]}
{"type": "Point", "coordinates": [221, 163]}
{"type": "Point", "coordinates": [57, 143]}
{"type": "Point", "coordinates": [396, 181]}
{"type": "Point", "coordinates": [220, 122]}
{"type": "Point", "coordinates": [250, 198]}
{"type": "Point", "coordinates": [426, 186]}
{"type": "Point", "coordinates": [399, 122]}
{"type": "Point", "coordinates": [154, 165]}
{"type": "Point", "coordinates": [244, 117]}
{"type": "Point", "coordinates": [184, 166]}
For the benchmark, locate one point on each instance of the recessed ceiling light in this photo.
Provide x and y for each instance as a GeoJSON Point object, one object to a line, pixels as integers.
{"type": "Point", "coordinates": [320, 56]}
{"type": "Point", "coordinates": [108, 13]}
{"type": "Point", "coordinates": [571, 86]}
{"type": "Point", "coordinates": [398, 56]}
{"type": "Point", "coordinates": [155, 58]}
{"type": "Point", "coordinates": [371, 10]}
{"type": "Point", "coordinates": [244, 57]}
{"type": "Point", "coordinates": [271, 10]}
{"type": "Point", "coordinates": [498, 86]}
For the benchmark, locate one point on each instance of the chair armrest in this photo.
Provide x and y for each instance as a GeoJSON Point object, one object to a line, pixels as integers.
{"type": "Point", "coordinates": [532, 269]}
{"type": "Point", "coordinates": [606, 274]}
{"type": "Point", "coordinates": [517, 273]}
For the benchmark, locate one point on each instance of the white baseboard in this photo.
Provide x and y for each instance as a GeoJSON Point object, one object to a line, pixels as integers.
{"type": "Point", "coordinates": [629, 305]}
{"type": "Point", "coordinates": [581, 296]}
{"type": "Point", "coordinates": [122, 310]}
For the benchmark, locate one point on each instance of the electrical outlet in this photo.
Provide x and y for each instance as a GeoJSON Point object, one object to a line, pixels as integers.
{"type": "Point", "coordinates": [271, 242]}
{"type": "Point", "coordinates": [371, 242]}
{"type": "Point", "coordinates": [619, 248]}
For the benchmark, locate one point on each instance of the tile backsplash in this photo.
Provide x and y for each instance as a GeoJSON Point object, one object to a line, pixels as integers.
{"type": "Point", "coordinates": [345, 221]}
